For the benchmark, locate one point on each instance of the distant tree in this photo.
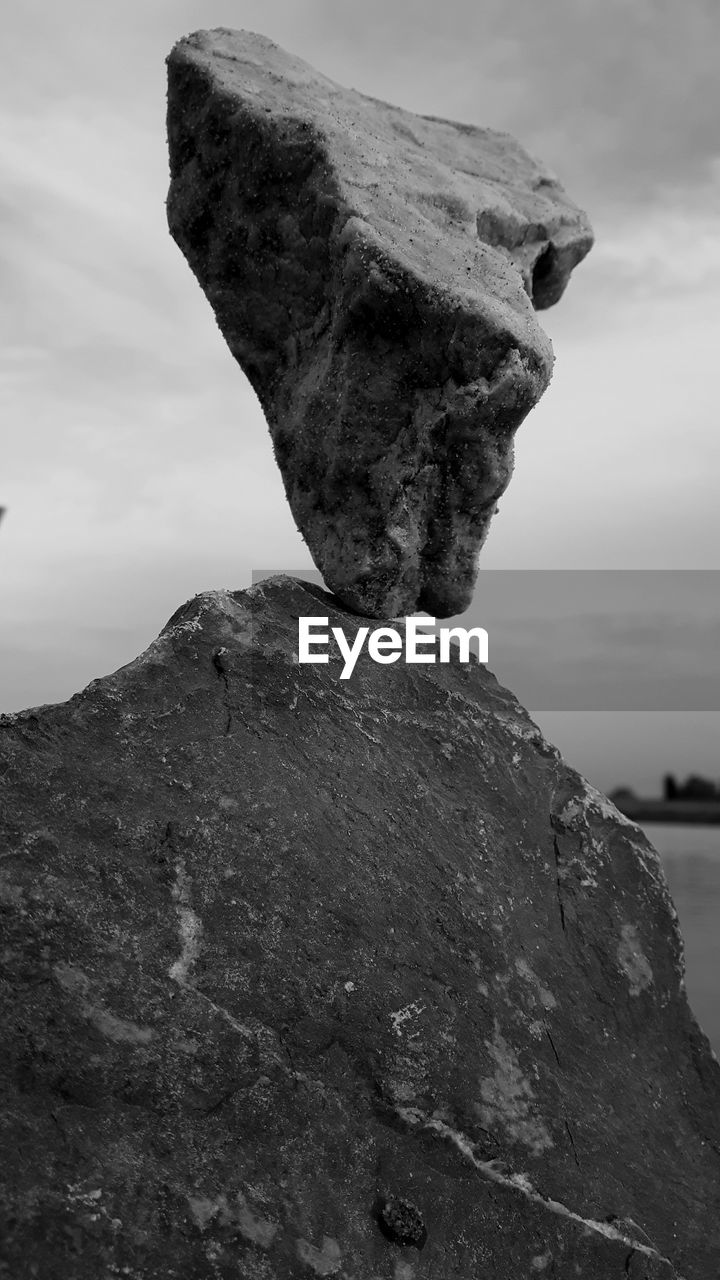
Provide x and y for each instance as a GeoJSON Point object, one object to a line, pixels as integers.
{"type": "Point", "coordinates": [670, 787]}
{"type": "Point", "coordinates": [697, 788]}
{"type": "Point", "coordinates": [622, 796]}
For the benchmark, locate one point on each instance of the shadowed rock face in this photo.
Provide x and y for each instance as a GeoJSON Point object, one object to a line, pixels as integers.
{"type": "Point", "coordinates": [307, 977]}
{"type": "Point", "coordinates": [374, 273]}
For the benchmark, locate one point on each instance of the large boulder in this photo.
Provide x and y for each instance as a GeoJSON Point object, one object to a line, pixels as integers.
{"type": "Point", "coordinates": [375, 274]}
{"type": "Point", "coordinates": [317, 977]}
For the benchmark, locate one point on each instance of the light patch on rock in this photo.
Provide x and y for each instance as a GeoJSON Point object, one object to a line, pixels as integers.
{"type": "Point", "coordinates": [651, 862]}
{"type": "Point", "coordinates": [403, 1090]}
{"type": "Point", "coordinates": [524, 731]}
{"type": "Point", "coordinates": [576, 816]}
{"type": "Point", "coordinates": [325, 1261]}
{"type": "Point", "coordinates": [403, 1270]}
{"type": "Point", "coordinates": [633, 961]}
{"type": "Point", "coordinates": [588, 882]}
{"type": "Point", "coordinates": [186, 1046]}
{"type": "Point", "coordinates": [572, 814]}
{"type": "Point", "coordinates": [594, 799]}
{"type": "Point", "coordinates": [545, 996]}
{"type": "Point", "coordinates": [190, 927]}
{"type": "Point", "coordinates": [119, 1029]}
{"type": "Point", "coordinates": [204, 1209]}
{"type": "Point", "coordinates": [259, 1231]}
{"type": "Point", "coordinates": [507, 1098]}
{"type": "Point", "coordinates": [77, 984]}
{"type": "Point", "coordinates": [402, 1016]}
{"type": "Point", "coordinates": [541, 1261]}
{"type": "Point", "coordinates": [235, 1213]}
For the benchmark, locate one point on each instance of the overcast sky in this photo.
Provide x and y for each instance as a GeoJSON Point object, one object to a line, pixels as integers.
{"type": "Point", "coordinates": [135, 463]}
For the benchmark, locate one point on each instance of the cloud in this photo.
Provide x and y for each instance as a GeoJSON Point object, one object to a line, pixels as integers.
{"type": "Point", "coordinates": [670, 251]}
{"type": "Point", "coordinates": [603, 640]}
{"type": "Point", "coordinates": [622, 96]}
{"type": "Point", "coordinates": [636, 747]}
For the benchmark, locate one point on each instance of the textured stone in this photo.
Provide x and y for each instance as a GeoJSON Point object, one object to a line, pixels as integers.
{"type": "Point", "coordinates": [305, 977]}
{"type": "Point", "coordinates": [374, 274]}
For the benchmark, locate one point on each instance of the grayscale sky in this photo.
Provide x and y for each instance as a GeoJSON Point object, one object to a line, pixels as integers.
{"type": "Point", "coordinates": [134, 460]}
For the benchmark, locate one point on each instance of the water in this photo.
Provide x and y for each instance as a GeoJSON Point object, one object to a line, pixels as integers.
{"type": "Point", "coordinates": [691, 857]}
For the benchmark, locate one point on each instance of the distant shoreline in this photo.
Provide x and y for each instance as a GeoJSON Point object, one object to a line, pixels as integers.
{"type": "Point", "coordinates": [689, 812]}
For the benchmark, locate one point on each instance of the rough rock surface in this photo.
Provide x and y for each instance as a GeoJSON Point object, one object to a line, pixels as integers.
{"type": "Point", "coordinates": [374, 273]}
{"type": "Point", "coordinates": [307, 977]}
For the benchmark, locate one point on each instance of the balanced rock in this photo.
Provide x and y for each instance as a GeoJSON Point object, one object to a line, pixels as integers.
{"type": "Point", "coordinates": [374, 272]}
{"type": "Point", "coordinates": [308, 977]}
